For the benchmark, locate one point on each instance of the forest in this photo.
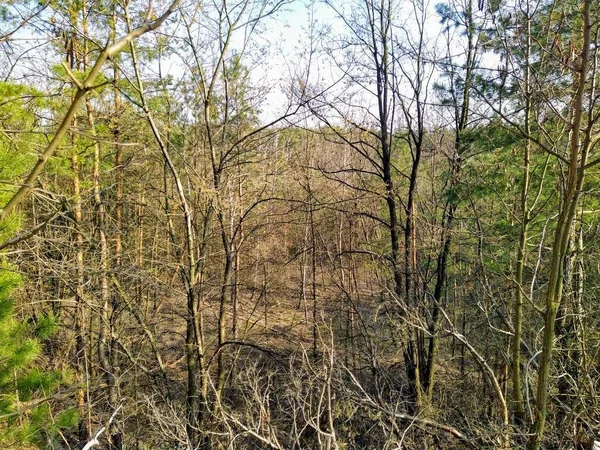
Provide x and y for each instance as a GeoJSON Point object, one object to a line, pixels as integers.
{"type": "Point", "coordinates": [299, 224]}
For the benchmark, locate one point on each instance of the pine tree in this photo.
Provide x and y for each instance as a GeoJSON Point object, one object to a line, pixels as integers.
{"type": "Point", "coordinates": [26, 418]}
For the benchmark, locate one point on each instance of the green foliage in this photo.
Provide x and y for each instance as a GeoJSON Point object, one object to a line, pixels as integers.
{"type": "Point", "coordinates": [25, 419]}
{"type": "Point", "coordinates": [236, 106]}
{"type": "Point", "coordinates": [46, 326]}
{"type": "Point", "coordinates": [61, 72]}
{"type": "Point", "coordinates": [18, 149]}
{"type": "Point", "coordinates": [8, 227]}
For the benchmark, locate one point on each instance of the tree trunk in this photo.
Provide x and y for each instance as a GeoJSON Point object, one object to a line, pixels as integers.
{"type": "Point", "coordinates": [578, 152]}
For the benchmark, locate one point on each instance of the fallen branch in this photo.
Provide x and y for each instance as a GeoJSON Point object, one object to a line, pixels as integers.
{"type": "Point", "coordinates": [95, 440]}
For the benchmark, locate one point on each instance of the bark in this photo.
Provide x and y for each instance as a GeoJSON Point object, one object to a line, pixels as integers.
{"type": "Point", "coordinates": [578, 152]}
{"type": "Point", "coordinates": [81, 312]}
{"type": "Point", "coordinates": [105, 342]}
{"type": "Point", "coordinates": [80, 318]}
{"type": "Point", "coordinates": [462, 117]}
{"type": "Point", "coordinates": [82, 90]}
{"type": "Point", "coordinates": [194, 350]}
{"type": "Point", "coordinates": [521, 251]}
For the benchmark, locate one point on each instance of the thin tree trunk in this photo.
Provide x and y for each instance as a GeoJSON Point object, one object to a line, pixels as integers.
{"type": "Point", "coordinates": [578, 152]}
{"type": "Point", "coordinates": [194, 349]}
{"type": "Point", "coordinates": [104, 341]}
{"type": "Point", "coordinates": [80, 319]}
{"type": "Point", "coordinates": [521, 253]}
{"type": "Point", "coordinates": [82, 89]}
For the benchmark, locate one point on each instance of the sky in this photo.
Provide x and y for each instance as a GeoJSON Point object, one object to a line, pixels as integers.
{"type": "Point", "coordinates": [288, 36]}
{"type": "Point", "coordinates": [286, 40]}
